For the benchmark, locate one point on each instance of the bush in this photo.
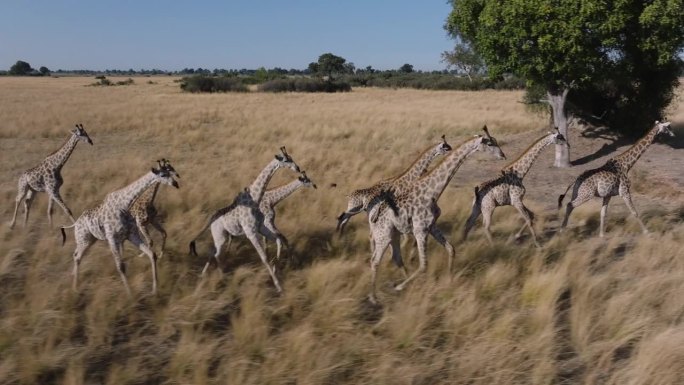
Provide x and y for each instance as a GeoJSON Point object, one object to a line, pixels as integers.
{"type": "Point", "coordinates": [304, 85]}
{"type": "Point", "coordinates": [432, 81]}
{"type": "Point", "coordinates": [202, 83]}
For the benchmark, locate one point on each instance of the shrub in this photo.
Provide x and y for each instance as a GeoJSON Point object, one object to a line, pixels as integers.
{"type": "Point", "coordinates": [304, 85]}
{"type": "Point", "coordinates": [202, 83]}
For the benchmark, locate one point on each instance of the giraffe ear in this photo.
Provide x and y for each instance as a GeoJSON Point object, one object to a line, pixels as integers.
{"type": "Point", "coordinates": [154, 170]}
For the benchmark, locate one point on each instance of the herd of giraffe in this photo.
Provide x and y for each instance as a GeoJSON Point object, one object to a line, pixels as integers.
{"type": "Point", "coordinates": [405, 204]}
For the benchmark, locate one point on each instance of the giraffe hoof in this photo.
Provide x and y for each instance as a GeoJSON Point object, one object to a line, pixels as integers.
{"type": "Point", "coordinates": [399, 287]}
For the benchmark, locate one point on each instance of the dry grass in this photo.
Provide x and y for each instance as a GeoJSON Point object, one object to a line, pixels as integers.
{"type": "Point", "coordinates": [579, 310]}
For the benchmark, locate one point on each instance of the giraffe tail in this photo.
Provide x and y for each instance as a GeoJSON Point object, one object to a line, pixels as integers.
{"type": "Point", "coordinates": [211, 220]}
{"type": "Point", "coordinates": [61, 229]}
{"type": "Point", "coordinates": [562, 196]}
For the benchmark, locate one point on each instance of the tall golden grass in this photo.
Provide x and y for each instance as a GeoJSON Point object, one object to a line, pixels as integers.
{"type": "Point", "coordinates": [578, 310]}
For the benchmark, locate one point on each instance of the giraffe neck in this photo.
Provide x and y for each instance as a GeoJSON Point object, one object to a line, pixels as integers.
{"type": "Point", "coordinates": [147, 197]}
{"type": "Point", "coordinates": [123, 198]}
{"type": "Point", "coordinates": [627, 159]}
{"type": "Point", "coordinates": [257, 188]}
{"type": "Point", "coordinates": [420, 165]}
{"type": "Point", "coordinates": [436, 181]}
{"type": "Point", "coordinates": [522, 165]}
{"type": "Point", "coordinates": [279, 193]}
{"type": "Point", "coordinates": [59, 157]}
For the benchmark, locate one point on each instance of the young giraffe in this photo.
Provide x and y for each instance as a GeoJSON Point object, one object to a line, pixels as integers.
{"type": "Point", "coordinates": [145, 213]}
{"type": "Point", "coordinates": [416, 210]}
{"type": "Point", "coordinates": [112, 222]}
{"type": "Point", "coordinates": [508, 189]}
{"type": "Point", "coordinates": [359, 200]}
{"type": "Point", "coordinates": [611, 179]}
{"type": "Point", "coordinates": [46, 176]}
{"type": "Point", "coordinates": [267, 207]}
{"type": "Point", "coordinates": [274, 196]}
{"type": "Point", "coordinates": [243, 217]}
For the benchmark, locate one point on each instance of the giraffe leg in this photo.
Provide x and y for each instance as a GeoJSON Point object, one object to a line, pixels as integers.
{"type": "Point", "coordinates": [582, 197]}
{"type": "Point", "coordinates": [527, 216]}
{"type": "Point", "coordinates": [252, 236]}
{"type": "Point", "coordinates": [116, 246]}
{"type": "Point", "coordinates": [396, 253]}
{"type": "Point", "coordinates": [27, 204]}
{"type": "Point", "coordinates": [83, 242]}
{"type": "Point", "coordinates": [49, 211]}
{"type": "Point", "coordinates": [155, 223]}
{"type": "Point", "coordinates": [218, 233]}
{"type": "Point", "coordinates": [476, 211]}
{"type": "Point", "coordinates": [381, 240]}
{"type": "Point", "coordinates": [421, 239]}
{"type": "Point", "coordinates": [270, 232]}
{"type": "Point", "coordinates": [487, 221]}
{"type": "Point", "coordinates": [54, 195]}
{"type": "Point", "coordinates": [144, 234]}
{"type": "Point", "coordinates": [135, 238]}
{"type": "Point", "coordinates": [439, 237]}
{"type": "Point", "coordinates": [604, 210]}
{"type": "Point", "coordinates": [627, 197]}
{"type": "Point", "coordinates": [23, 190]}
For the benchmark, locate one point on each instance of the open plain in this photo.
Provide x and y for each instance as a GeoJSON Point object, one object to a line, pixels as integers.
{"type": "Point", "coordinates": [578, 310]}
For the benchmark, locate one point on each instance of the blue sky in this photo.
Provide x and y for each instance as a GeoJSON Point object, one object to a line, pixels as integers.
{"type": "Point", "coordinates": [171, 35]}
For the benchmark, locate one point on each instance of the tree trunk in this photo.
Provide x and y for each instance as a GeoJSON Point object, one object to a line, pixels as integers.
{"type": "Point", "coordinates": [560, 120]}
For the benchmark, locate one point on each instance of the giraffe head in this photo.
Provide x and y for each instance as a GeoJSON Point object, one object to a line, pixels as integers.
{"type": "Point", "coordinates": [81, 134]}
{"type": "Point", "coordinates": [664, 128]}
{"type": "Point", "coordinates": [163, 175]}
{"type": "Point", "coordinates": [490, 145]}
{"type": "Point", "coordinates": [285, 160]}
{"type": "Point", "coordinates": [443, 147]}
{"type": "Point", "coordinates": [165, 164]}
{"type": "Point", "coordinates": [306, 182]}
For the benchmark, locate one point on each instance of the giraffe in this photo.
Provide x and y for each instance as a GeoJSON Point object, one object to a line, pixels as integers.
{"type": "Point", "coordinates": [47, 176]}
{"type": "Point", "coordinates": [267, 205]}
{"type": "Point", "coordinates": [416, 210]}
{"type": "Point", "coordinates": [363, 199]}
{"type": "Point", "coordinates": [274, 196]}
{"type": "Point", "coordinates": [112, 222]}
{"type": "Point", "coordinates": [611, 179]}
{"type": "Point", "coordinates": [360, 199]}
{"type": "Point", "coordinates": [243, 217]}
{"type": "Point", "coordinates": [508, 189]}
{"type": "Point", "coordinates": [145, 213]}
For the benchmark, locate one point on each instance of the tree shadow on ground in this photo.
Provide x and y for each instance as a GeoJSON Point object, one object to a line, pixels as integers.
{"type": "Point", "coordinates": [604, 133]}
{"type": "Point", "coordinates": [616, 141]}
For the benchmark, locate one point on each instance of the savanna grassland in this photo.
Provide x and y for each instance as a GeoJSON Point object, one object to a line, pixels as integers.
{"type": "Point", "coordinates": [579, 310]}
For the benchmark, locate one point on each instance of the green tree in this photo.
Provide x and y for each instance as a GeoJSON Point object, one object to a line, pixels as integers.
{"type": "Point", "coordinates": [44, 71]}
{"type": "Point", "coordinates": [20, 68]}
{"type": "Point", "coordinates": [464, 59]}
{"type": "Point", "coordinates": [566, 45]}
{"type": "Point", "coordinates": [406, 68]}
{"type": "Point", "coordinates": [329, 64]}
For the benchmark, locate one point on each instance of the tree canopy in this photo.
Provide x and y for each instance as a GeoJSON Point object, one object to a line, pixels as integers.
{"type": "Point", "coordinates": [329, 64]}
{"type": "Point", "coordinates": [20, 68]}
{"type": "Point", "coordinates": [578, 48]}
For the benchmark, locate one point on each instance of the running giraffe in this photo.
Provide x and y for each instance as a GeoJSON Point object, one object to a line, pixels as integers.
{"type": "Point", "coordinates": [416, 210]}
{"type": "Point", "coordinates": [47, 176]}
{"type": "Point", "coordinates": [611, 179]}
{"type": "Point", "coordinates": [112, 222]}
{"type": "Point", "coordinates": [508, 189]}
{"type": "Point", "coordinates": [359, 200]}
{"type": "Point", "coordinates": [242, 217]}
{"type": "Point", "coordinates": [145, 213]}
